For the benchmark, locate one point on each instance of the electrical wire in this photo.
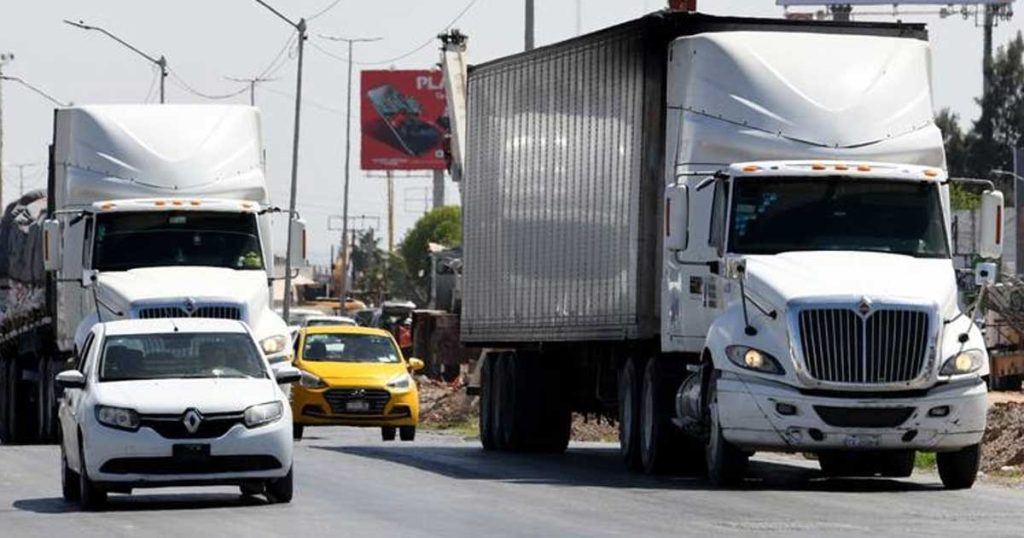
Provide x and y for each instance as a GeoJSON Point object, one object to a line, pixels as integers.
{"type": "Point", "coordinates": [323, 11]}
{"type": "Point", "coordinates": [180, 82]}
{"type": "Point", "coordinates": [306, 101]}
{"type": "Point", "coordinates": [152, 84]}
{"type": "Point", "coordinates": [425, 44]}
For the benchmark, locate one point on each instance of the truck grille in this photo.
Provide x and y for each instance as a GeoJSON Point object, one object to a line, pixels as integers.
{"type": "Point", "coordinates": [886, 346]}
{"type": "Point", "coordinates": [209, 311]}
{"type": "Point", "coordinates": [376, 399]}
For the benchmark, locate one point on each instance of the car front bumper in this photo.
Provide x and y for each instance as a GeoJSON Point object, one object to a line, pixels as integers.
{"type": "Point", "coordinates": [145, 458]}
{"type": "Point", "coordinates": [751, 413]}
{"type": "Point", "coordinates": [310, 407]}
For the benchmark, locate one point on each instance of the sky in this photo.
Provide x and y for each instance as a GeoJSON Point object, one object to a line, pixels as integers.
{"type": "Point", "coordinates": [206, 41]}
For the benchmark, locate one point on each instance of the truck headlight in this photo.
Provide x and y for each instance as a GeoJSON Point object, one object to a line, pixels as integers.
{"type": "Point", "coordinates": [274, 344]}
{"type": "Point", "coordinates": [117, 417]}
{"type": "Point", "coordinates": [964, 362]}
{"type": "Point", "coordinates": [311, 381]}
{"type": "Point", "coordinates": [753, 359]}
{"type": "Point", "coordinates": [265, 413]}
{"type": "Point", "coordinates": [400, 382]}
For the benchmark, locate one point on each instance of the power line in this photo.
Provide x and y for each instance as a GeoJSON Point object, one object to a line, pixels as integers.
{"type": "Point", "coordinates": [307, 100]}
{"type": "Point", "coordinates": [323, 11]}
{"type": "Point", "coordinates": [427, 43]}
{"type": "Point", "coordinates": [152, 85]}
{"type": "Point", "coordinates": [180, 82]}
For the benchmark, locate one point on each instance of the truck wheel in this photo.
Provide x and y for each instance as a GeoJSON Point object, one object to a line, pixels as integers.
{"type": "Point", "coordinates": [297, 431]}
{"type": "Point", "coordinates": [727, 464]}
{"type": "Point", "coordinates": [629, 415]}
{"type": "Point", "coordinates": [90, 496]}
{"type": "Point", "coordinates": [499, 403]}
{"type": "Point", "coordinates": [959, 469]}
{"type": "Point", "coordinates": [486, 402]}
{"type": "Point", "coordinates": [654, 431]}
{"type": "Point", "coordinates": [512, 404]}
{"type": "Point", "coordinates": [407, 433]}
{"type": "Point", "coordinates": [898, 464]}
{"type": "Point", "coordinates": [387, 433]}
{"type": "Point", "coordinates": [68, 479]}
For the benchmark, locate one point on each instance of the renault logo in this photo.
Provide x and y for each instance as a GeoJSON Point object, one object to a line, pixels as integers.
{"type": "Point", "coordinates": [190, 306]}
{"type": "Point", "coordinates": [864, 307]}
{"type": "Point", "coordinates": [192, 420]}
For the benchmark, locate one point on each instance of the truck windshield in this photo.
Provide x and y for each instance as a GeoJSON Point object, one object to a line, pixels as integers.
{"type": "Point", "coordinates": [163, 238]}
{"type": "Point", "coordinates": [180, 355]}
{"type": "Point", "coordinates": [776, 215]}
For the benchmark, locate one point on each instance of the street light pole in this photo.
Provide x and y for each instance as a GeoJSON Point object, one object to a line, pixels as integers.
{"type": "Point", "coordinates": [343, 289]}
{"type": "Point", "coordinates": [160, 62]}
{"type": "Point", "coordinates": [5, 57]}
{"type": "Point", "coordinates": [300, 27]}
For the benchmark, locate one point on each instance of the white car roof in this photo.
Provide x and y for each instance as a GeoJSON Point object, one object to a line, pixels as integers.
{"type": "Point", "coordinates": [170, 325]}
{"type": "Point", "coordinates": [345, 319]}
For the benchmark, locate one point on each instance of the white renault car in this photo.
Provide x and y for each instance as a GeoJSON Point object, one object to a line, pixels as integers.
{"type": "Point", "coordinates": [174, 402]}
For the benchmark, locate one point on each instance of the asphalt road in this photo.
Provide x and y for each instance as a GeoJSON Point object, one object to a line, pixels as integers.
{"type": "Point", "coordinates": [349, 483]}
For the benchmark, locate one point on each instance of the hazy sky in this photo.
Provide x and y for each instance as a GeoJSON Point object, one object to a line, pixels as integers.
{"type": "Point", "coordinates": [206, 40]}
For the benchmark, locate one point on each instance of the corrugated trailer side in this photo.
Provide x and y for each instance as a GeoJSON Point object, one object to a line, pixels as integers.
{"type": "Point", "coordinates": [561, 190]}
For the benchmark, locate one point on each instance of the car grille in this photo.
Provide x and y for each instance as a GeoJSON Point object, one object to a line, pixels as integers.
{"type": "Point", "coordinates": [861, 417]}
{"type": "Point", "coordinates": [885, 346]}
{"type": "Point", "coordinates": [207, 311]}
{"type": "Point", "coordinates": [376, 398]}
{"type": "Point", "coordinates": [173, 426]}
{"type": "Point", "coordinates": [207, 465]}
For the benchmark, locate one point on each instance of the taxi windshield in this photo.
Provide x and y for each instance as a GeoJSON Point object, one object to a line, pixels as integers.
{"type": "Point", "coordinates": [335, 347]}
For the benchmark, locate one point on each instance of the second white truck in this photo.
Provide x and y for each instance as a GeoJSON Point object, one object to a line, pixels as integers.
{"type": "Point", "coordinates": [733, 235]}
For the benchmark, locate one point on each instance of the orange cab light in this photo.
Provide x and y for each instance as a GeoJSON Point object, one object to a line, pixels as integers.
{"type": "Point", "coordinates": [863, 168]}
{"type": "Point", "coordinates": [107, 205]}
{"type": "Point", "coordinates": [246, 205]}
{"type": "Point", "coordinates": [817, 166]}
{"type": "Point", "coordinates": [177, 202]}
{"type": "Point", "coordinates": [931, 173]}
{"type": "Point", "coordinates": [194, 202]}
{"type": "Point", "coordinates": [842, 167]}
{"type": "Point", "coordinates": [751, 168]}
{"type": "Point", "coordinates": [159, 203]}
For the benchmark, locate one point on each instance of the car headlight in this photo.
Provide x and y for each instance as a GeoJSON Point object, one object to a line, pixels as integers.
{"type": "Point", "coordinates": [311, 381]}
{"type": "Point", "coordinates": [400, 382]}
{"type": "Point", "coordinates": [274, 344]}
{"type": "Point", "coordinates": [265, 413]}
{"type": "Point", "coordinates": [964, 362]}
{"type": "Point", "coordinates": [117, 417]}
{"type": "Point", "coordinates": [753, 359]}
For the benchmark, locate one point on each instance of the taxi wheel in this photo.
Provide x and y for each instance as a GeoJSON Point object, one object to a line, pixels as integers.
{"type": "Point", "coordinates": [297, 431]}
{"type": "Point", "coordinates": [387, 433]}
{"type": "Point", "coordinates": [407, 433]}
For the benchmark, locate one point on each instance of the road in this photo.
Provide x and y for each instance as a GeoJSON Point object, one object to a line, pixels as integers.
{"type": "Point", "coordinates": [349, 483]}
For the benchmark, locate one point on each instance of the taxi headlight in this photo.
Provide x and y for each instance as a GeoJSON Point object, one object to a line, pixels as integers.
{"type": "Point", "coordinates": [264, 413]}
{"type": "Point", "coordinates": [311, 381]}
{"type": "Point", "coordinates": [400, 382]}
{"type": "Point", "coordinates": [965, 362]}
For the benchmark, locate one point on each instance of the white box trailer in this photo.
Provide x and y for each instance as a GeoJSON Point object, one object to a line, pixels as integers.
{"type": "Point", "coordinates": [633, 235]}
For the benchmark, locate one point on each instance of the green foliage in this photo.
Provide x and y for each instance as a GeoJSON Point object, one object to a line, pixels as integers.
{"type": "Point", "coordinates": [442, 226]}
{"type": "Point", "coordinates": [961, 198]}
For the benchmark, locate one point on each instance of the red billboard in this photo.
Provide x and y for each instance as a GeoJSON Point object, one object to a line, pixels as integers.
{"type": "Point", "coordinates": [403, 120]}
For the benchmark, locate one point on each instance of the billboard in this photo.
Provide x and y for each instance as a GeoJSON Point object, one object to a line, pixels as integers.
{"type": "Point", "coordinates": [887, 2]}
{"type": "Point", "coordinates": [403, 120]}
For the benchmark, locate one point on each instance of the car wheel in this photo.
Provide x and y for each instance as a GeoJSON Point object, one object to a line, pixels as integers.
{"type": "Point", "coordinates": [90, 496]}
{"type": "Point", "coordinates": [407, 433]}
{"type": "Point", "coordinates": [297, 431]}
{"type": "Point", "coordinates": [387, 433]}
{"type": "Point", "coordinates": [959, 469]}
{"type": "Point", "coordinates": [68, 479]}
{"type": "Point", "coordinates": [280, 490]}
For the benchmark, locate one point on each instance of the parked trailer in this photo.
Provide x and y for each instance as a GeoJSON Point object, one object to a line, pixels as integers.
{"type": "Point", "coordinates": [732, 234]}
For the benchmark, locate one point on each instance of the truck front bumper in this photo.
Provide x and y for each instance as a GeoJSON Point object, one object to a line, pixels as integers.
{"type": "Point", "coordinates": [757, 414]}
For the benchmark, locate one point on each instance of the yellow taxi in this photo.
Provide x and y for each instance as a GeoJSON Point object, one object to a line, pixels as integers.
{"type": "Point", "coordinates": [354, 376]}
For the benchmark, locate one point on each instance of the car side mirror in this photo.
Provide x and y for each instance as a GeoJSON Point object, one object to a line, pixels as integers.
{"type": "Point", "coordinates": [287, 375]}
{"type": "Point", "coordinates": [416, 364]}
{"type": "Point", "coordinates": [990, 242]}
{"type": "Point", "coordinates": [51, 245]}
{"type": "Point", "coordinates": [70, 379]}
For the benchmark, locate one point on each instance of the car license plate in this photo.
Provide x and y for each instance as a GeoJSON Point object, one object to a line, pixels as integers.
{"type": "Point", "coordinates": [357, 405]}
{"type": "Point", "coordinates": [862, 441]}
{"type": "Point", "coordinates": [191, 452]}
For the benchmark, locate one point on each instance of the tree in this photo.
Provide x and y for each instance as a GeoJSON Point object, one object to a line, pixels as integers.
{"type": "Point", "coordinates": [442, 226]}
{"type": "Point", "coordinates": [955, 141]}
{"type": "Point", "coordinates": [1001, 122]}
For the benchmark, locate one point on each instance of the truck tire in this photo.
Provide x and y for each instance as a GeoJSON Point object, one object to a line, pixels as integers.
{"type": "Point", "coordinates": [515, 415]}
{"type": "Point", "coordinates": [629, 416]}
{"type": "Point", "coordinates": [499, 402]}
{"type": "Point", "coordinates": [959, 469]}
{"type": "Point", "coordinates": [896, 464]}
{"type": "Point", "coordinates": [727, 465]}
{"type": "Point", "coordinates": [486, 403]}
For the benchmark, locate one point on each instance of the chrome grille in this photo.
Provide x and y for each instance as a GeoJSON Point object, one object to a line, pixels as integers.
{"type": "Point", "coordinates": [206, 311]}
{"type": "Point", "coordinates": [886, 346]}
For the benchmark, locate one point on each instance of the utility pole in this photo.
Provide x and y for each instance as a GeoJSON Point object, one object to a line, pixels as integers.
{"type": "Point", "coordinates": [160, 62]}
{"type": "Point", "coordinates": [343, 290]}
{"type": "Point", "coordinates": [21, 175]}
{"type": "Point", "coordinates": [5, 58]}
{"type": "Point", "coordinates": [252, 82]}
{"type": "Point", "coordinates": [529, 25]}
{"type": "Point", "coordinates": [438, 198]}
{"type": "Point", "coordinates": [391, 212]}
{"type": "Point", "coordinates": [986, 58]}
{"type": "Point", "coordinates": [300, 27]}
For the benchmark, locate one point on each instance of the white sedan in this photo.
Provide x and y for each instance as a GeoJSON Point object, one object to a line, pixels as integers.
{"type": "Point", "coordinates": [174, 402]}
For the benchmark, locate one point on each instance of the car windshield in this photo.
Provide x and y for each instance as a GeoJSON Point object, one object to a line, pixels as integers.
{"type": "Point", "coordinates": [180, 355]}
{"type": "Point", "coordinates": [770, 216]}
{"type": "Point", "coordinates": [165, 238]}
{"type": "Point", "coordinates": [333, 347]}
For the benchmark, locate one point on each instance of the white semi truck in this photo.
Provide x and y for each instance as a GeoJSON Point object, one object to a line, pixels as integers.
{"type": "Point", "coordinates": [731, 234]}
{"type": "Point", "coordinates": [150, 212]}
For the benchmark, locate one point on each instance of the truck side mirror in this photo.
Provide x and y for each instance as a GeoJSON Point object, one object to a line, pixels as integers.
{"type": "Point", "coordinates": [298, 243]}
{"type": "Point", "coordinates": [990, 243]}
{"type": "Point", "coordinates": [51, 245]}
{"type": "Point", "coordinates": [677, 205]}
{"type": "Point", "coordinates": [985, 274]}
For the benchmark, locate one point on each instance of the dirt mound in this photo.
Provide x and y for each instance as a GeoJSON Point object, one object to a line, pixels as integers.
{"type": "Point", "coordinates": [1003, 443]}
